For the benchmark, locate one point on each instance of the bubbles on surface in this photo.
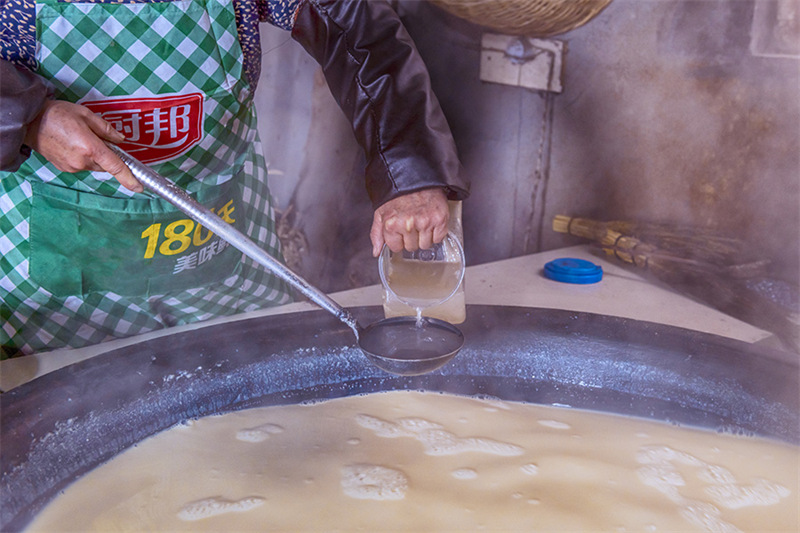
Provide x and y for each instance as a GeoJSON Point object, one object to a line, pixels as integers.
{"type": "Point", "coordinates": [554, 424]}
{"type": "Point", "coordinates": [732, 495]}
{"type": "Point", "coordinates": [435, 439]}
{"type": "Point", "coordinates": [464, 473]}
{"type": "Point", "coordinates": [418, 425]}
{"type": "Point", "coordinates": [659, 471]}
{"type": "Point", "coordinates": [339, 459]}
{"type": "Point", "coordinates": [665, 454]}
{"type": "Point", "coordinates": [706, 516]}
{"type": "Point", "coordinates": [493, 405]}
{"type": "Point", "coordinates": [200, 509]}
{"type": "Point", "coordinates": [374, 482]}
{"type": "Point", "coordinates": [259, 433]}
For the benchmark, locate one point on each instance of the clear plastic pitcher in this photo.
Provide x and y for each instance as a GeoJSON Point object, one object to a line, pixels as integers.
{"type": "Point", "coordinates": [427, 282]}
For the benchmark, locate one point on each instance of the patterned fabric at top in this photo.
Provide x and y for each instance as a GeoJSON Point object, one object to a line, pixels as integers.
{"type": "Point", "coordinates": [182, 48]}
{"type": "Point", "coordinates": [18, 32]}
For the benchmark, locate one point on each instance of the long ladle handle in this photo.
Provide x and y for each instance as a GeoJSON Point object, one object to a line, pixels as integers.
{"type": "Point", "coordinates": [205, 217]}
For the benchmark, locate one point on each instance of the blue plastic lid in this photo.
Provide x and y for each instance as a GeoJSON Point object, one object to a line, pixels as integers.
{"type": "Point", "coordinates": [570, 270]}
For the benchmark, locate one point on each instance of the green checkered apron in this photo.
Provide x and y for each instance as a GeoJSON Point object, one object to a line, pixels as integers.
{"type": "Point", "coordinates": [84, 259]}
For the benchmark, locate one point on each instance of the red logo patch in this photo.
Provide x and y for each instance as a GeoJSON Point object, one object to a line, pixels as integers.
{"type": "Point", "coordinates": [156, 129]}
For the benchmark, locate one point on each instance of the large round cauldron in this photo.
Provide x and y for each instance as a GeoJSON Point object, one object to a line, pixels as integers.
{"type": "Point", "coordinates": [59, 426]}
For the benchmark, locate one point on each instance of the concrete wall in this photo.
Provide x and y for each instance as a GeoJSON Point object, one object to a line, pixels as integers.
{"type": "Point", "coordinates": [666, 116]}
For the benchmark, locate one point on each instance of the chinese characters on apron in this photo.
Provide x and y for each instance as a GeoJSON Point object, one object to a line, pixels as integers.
{"type": "Point", "coordinates": [84, 259]}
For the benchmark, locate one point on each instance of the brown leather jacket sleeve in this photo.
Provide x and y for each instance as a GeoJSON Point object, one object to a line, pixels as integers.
{"type": "Point", "coordinates": [381, 83]}
{"type": "Point", "coordinates": [22, 95]}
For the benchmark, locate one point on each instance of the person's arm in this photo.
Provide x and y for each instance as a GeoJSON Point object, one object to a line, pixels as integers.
{"type": "Point", "coordinates": [68, 135]}
{"type": "Point", "coordinates": [23, 94]}
{"type": "Point", "coordinates": [381, 83]}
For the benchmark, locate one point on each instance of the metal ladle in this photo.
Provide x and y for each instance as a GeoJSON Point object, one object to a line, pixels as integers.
{"type": "Point", "coordinates": [400, 345]}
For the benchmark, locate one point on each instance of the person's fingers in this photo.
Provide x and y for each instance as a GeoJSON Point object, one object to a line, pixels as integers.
{"type": "Point", "coordinates": [426, 239]}
{"type": "Point", "coordinates": [103, 129]}
{"type": "Point", "coordinates": [72, 138]}
{"type": "Point", "coordinates": [440, 222]}
{"type": "Point", "coordinates": [376, 234]}
{"type": "Point", "coordinates": [389, 229]}
{"type": "Point", "coordinates": [411, 240]}
{"type": "Point", "coordinates": [394, 240]}
{"type": "Point", "coordinates": [394, 224]}
{"type": "Point", "coordinates": [109, 162]}
{"type": "Point", "coordinates": [412, 221]}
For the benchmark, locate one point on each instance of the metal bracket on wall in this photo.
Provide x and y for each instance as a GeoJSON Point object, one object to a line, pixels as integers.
{"type": "Point", "coordinates": [522, 61]}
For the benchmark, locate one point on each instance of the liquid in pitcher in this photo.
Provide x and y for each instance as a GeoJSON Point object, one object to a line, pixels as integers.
{"type": "Point", "coordinates": [422, 284]}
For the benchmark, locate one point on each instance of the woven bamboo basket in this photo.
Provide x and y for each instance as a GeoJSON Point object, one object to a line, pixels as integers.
{"type": "Point", "coordinates": [533, 18]}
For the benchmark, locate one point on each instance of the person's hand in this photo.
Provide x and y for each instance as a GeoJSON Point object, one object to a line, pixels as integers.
{"type": "Point", "coordinates": [72, 137]}
{"type": "Point", "coordinates": [413, 221]}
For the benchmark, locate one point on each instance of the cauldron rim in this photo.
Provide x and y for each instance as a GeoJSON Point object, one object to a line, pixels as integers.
{"type": "Point", "coordinates": [110, 402]}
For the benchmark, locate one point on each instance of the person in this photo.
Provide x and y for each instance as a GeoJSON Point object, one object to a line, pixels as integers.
{"type": "Point", "coordinates": [85, 257]}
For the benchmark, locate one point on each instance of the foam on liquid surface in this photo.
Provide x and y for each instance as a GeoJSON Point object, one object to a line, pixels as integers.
{"type": "Point", "coordinates": [413, 461]}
